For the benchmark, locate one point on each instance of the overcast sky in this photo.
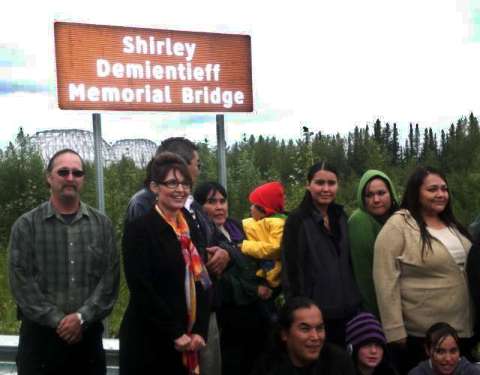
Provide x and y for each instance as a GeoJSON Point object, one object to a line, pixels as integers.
{"type": "Point", "coordinates": [326, 65]}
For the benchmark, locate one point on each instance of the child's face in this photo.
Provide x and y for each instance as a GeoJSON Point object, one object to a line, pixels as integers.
{"type": "Point", "coordinates": [256, 213]}
{"type": "Point", "coordinates": [370, 355]}
{"type": "Point", "coordinates": [445, 356]}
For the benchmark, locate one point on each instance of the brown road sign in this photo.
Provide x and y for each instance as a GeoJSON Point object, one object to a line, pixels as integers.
{"type": "Point", "coordinates": [136, 69]}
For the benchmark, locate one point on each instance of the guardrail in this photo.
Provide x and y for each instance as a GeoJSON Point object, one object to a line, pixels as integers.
{"type": "Point", "coordinates": [9, 345]}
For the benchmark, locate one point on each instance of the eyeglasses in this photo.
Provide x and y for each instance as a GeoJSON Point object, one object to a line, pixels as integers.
{"type": "Point", "coordinates": [173, 184]}
{"type": "Point", "coordinates": [64, 172]}
{"type": "Point", "coordinates": [379, 193]}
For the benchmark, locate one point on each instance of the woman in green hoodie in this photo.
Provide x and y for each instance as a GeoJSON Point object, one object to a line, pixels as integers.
{"type": "Point", "coordinates": [377, 200]}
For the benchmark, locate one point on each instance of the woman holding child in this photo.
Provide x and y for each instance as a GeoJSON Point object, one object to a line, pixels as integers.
{"type": "Point", "coordinates": [243, 331]}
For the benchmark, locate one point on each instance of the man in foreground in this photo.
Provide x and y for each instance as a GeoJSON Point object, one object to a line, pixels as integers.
{"type": "Point", "coordinates": [300, 346]}
{"type": "Point", "coordinates": [64, 276]}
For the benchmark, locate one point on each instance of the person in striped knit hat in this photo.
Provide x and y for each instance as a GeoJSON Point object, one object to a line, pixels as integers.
{"type": "Point", "coordinates": [367, 343]}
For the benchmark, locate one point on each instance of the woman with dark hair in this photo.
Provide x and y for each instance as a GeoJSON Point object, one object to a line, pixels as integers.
{"type": "Point", "coordinates": [367, 345]}
{"type": "Point", "coordinates": [316, 253]}
{"type": "Point", "coordinates": [419, 267]}
{"type": "Point", "coordinates": [242, 331]}
{"type": "Point", "coordinates": [166, 321]}
{"type": "Point", "coordinates": [298, 344]}
{"type": "Point", "coordinates": [443, 350]}
{"type": "Point", "coordinates": [377, 201]}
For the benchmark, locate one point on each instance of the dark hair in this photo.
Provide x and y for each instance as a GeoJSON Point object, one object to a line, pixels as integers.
{"type": "Point", "coordinates": [180, 146]}
{"type": "Point", "coordinates": [166, 162]}
{"type": "Point", "coordinates": [394, 205]}
{"type": "Point", "coordinates": [207, 189]}
{"type": "Point", "coordinates": [437, 333]}
{"type": "Point", "coordinates": [411, 202]}
{"type": "Point", "coordinates": [276, 345]}
{"type": "Point", "coordinates": [307, 201]}
{"type": "Point", "coordinates": [320, 166]}
{"type": "Point", "coordinates": [286, 312]}
{"type": "Point", "coordinates": [61, 152]}
{"type": "Point", "coordinates": [148, 173]}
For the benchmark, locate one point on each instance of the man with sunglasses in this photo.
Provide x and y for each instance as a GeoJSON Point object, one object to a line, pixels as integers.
{"type": "Point", "coordinates": [64, 276]}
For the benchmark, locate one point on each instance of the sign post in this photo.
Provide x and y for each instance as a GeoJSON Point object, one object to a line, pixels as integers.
{"type": "Point", "coordinates": [98, 150]}
{"type": "Point", "coordinates": [221, 151]}
{"type": "Point", "coordinates": [97, 144]}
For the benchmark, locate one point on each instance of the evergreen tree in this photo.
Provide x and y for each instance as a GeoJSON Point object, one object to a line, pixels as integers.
{"type": "Point", "coordinates": [395, 146]}
{"type": "Point", "coordinates": [377, 131]}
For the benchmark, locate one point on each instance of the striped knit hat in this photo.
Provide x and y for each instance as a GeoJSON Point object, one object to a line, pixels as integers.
{"type": "Point", "coordinates": [364, 328]}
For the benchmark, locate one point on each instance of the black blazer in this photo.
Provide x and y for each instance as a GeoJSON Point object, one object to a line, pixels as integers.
{"type": "Point", "coordinates": [155, 274]}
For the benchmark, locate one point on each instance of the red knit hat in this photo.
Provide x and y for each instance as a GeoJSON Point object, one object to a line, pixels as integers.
{"type": "Point", "coordinates": [270, 197]}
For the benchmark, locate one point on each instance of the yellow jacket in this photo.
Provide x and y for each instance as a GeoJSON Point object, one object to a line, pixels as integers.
{"type": "Point", "coordinates": [263, 242]}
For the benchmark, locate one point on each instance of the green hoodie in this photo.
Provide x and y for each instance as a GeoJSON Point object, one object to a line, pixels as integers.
{"type": "Point", "coordinates": [363, 229]}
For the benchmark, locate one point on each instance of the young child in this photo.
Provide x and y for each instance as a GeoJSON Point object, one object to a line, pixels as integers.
{"type": "Point", "coordinates": [367, 344]}
{"type": "Point", "coordinates": [264, 232]}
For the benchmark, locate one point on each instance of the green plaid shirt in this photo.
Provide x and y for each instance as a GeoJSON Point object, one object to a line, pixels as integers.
{"type": "Point", "coordinates": [56, 268]}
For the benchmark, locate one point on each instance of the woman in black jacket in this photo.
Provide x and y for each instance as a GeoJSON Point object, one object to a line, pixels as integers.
{"type": "Point", "coordinates": [166, 321]}
{"type": "Point", "coordinates": [316, 253]}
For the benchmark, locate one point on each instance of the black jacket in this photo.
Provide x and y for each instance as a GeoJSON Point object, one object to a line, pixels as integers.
{"type": "Point", "coordinates": [317, 264]}
{"type": "Point", "coordinates": [473, 276]}
{"type": "Point", "coordinates": [332, 361]}
{"type": "Point", "coordinates": [239, 283]}
{"type": "Point", "coordinates": [157, 313]}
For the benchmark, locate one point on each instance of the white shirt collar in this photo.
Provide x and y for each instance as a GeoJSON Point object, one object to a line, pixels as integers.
{"type": "Point", "coordinates": [188, 202]}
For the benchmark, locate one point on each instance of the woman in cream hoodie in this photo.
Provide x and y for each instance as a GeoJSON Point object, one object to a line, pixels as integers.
{"type": "Point", "coordinates": [419, 267]}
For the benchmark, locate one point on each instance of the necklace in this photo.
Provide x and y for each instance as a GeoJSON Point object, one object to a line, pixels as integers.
{"type": "Point", "coordinates": [326, 222]}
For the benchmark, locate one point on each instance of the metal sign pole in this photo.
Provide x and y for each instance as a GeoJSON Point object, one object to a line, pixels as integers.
{"type": "Point", "coordinates": [97, 142]}
{"type": "Point", "coordinates": [97, 145]}
{"type": "Point", "coordinates": [221, 151]}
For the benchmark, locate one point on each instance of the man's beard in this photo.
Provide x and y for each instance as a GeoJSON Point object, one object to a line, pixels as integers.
{"type": "Point", "coordinates": [70, 197]}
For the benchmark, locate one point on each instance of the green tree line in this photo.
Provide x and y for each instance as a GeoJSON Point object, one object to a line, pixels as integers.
{"type": "Point", "coordinates": [250, 162]}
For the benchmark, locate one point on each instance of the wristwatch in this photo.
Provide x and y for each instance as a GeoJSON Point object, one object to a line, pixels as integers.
{"type": "Point", "coordinates": [79, 316]}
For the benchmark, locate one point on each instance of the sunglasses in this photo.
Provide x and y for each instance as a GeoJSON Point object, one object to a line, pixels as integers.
{"type": "Point", "coordinates": [64, 172]}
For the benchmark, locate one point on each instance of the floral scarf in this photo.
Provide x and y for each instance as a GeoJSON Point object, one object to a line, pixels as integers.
{"type": "Point", "coordinates": [194, 271]}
